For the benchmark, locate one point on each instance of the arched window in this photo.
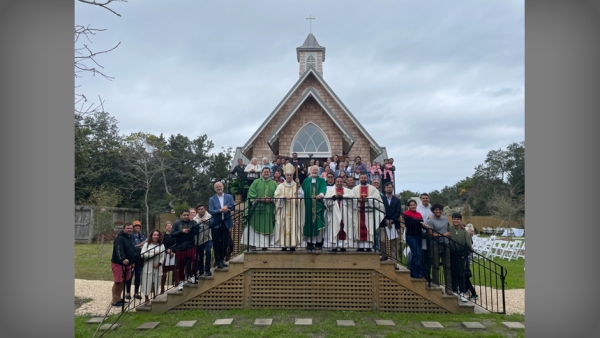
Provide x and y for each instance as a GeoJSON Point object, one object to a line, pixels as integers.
{"type": "Point", "coordinates": [310, 62]}
{"type": "Point", "coordinates": [311, 140]}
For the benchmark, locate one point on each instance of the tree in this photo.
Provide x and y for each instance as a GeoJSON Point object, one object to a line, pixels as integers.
{"type": "Point", "coordinates": [508, 206]}
{"type": "Point", "coordinates": [103, 198]}
{"type": "Point", "coordinates": [86, 61]}
{"type": "Point", "coordinates": [97, 154]}
{"type": "Point", "coordinates": [404, 195]}
{"type": "Point", "coordinates": [140, 166]}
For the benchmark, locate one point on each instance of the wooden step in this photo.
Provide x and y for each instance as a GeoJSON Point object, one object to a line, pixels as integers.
{"type": "Point", "coordinates": [143, 308]}
{"type": "Point", "coordinates": [221, 270]}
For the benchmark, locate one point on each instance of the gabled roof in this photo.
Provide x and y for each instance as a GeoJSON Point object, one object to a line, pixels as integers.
{"type": "Point", "coordinates": [310, 44]}
{"type": "Point", "coordinates": [344, 109]}
{"type": "Point", "coordinates": [310, 92]}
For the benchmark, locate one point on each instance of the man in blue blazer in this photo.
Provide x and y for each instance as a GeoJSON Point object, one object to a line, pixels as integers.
{"type": "Point", "coordinates": [220, 207]}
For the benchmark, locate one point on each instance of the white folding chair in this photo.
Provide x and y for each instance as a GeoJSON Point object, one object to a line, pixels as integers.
{"type": "Point", "coordinates": [516, 246]}
{"type": "Point", "coordinates": [510, 249]}
{"type": "Point", "coordinates": [497, 249]}
{"type": "Point", "coordinates": [485, 246]}
{"type": "Point", "coordinates": [521, 252]}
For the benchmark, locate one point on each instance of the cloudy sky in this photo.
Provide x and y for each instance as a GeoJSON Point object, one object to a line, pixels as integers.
{"type": "Point", "coordinates": [438, 83]}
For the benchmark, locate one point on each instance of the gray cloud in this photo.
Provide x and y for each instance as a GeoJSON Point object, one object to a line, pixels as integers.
{"type": "Point", "coordinates": [438, 83]}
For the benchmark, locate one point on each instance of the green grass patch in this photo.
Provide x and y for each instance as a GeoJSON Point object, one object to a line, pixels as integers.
{"type": "Point", "coordinates": [515, 277]}
{"type": "Point", "coordinates": [324, 324]}
{"type": "Point", "coordinates": [87, 262]}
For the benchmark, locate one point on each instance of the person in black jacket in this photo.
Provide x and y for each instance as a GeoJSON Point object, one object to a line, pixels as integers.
{"type": "Point", "coordinates": [122, 260]}
{"type": "Point", "coordinates": [169, 244]}
{"type": "Point", "coordinates": [184, 231]}
{"type": "Point", "coordinates": [391, 221]}
{"type": "Point", "coordinates": [238, 170]}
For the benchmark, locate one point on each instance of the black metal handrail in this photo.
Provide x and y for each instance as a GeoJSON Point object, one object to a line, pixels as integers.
{"type": "Point", "coordinates": [248, 216]}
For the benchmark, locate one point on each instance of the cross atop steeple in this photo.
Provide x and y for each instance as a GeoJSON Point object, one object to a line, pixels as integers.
{"type": "Point", "coordinates": [310, 18]}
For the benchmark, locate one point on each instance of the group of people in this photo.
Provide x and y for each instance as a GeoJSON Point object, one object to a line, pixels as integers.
{"type": "Point", "coordinates": [317, 212]}
{"type": "Point", "coordinates": [427, 235]}
{"type": "Point", "coordinates": [381, 173]}
{"type": "Point", "coordinates": [185, 248]}
{"type": "Point", "coordinates": [314, 211]}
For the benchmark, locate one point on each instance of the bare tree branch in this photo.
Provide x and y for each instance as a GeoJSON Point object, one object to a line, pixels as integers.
{"type": "Point", "coordinates": [103, 4]}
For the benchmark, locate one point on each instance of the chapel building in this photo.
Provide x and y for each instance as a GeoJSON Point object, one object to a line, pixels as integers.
{"type": "Point", "coordinates": [311, 120]}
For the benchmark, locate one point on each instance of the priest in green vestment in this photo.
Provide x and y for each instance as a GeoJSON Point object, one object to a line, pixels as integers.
{"type": "Point", "coordinates": [260, 212]}
{"type": "Point", "coordinates": [314, 188]}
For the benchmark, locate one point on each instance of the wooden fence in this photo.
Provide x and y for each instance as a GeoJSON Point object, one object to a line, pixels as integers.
{"type": "Point", "coordinates": [490, 222]}
{"type": "Point", "coordinates": [84, 220]}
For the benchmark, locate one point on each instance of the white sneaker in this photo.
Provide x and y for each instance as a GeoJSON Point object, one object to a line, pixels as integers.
{"type": "Point", "coordinates": [462, 298]}
{"type": "Point", "coordinates": [180, 287]}
{"type": "Point", "coordinates": [192, 280]}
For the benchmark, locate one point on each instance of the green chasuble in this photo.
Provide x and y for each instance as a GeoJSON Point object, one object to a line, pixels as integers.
{"type": "Point", "coordinates": [261, 215]}
{"type": "Point", "coordinates": [314, 219]}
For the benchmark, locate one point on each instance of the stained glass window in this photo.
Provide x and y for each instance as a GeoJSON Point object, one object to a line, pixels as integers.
{"type": "Point", "coordinates": [310, 139]}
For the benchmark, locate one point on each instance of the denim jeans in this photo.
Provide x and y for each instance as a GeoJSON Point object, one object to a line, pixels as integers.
{"type": "Point", "coordinates": [137, 273]}
{"type": "Point", "coordinates": [204, 257]}
{"type": "Point", "coordinates": [414, 265]}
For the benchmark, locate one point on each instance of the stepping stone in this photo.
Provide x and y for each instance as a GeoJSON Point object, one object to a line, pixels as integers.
{"type": "Point", "coordinates": [303, 321]}
{"type": "Point", "coordinates": [226, 321]}
{"type": "Point", "coordinates": [186, 323]}
{"type": "Point", "coordinates": [346, 323]}
{"type": "Point", "coordinates": [105, 327]}
{"type": "Point", "coordinates": [263, 321]}
{"type": "Point", "coordinates": [514, 325]}
{"type": "Point", "coordinates": [473, 325]}
{"type": "Point", "coordinates": [432, 325]}
{"type": "Point", "coordinates": [385, 322]}
{"type": "Point", "coordinates": [148, 325]}
{"type": "Point", "coordinates": [95, 320]}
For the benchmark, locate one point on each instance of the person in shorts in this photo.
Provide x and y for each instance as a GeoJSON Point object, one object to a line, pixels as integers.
{"type": "Point", "coordinates": [122, 260]}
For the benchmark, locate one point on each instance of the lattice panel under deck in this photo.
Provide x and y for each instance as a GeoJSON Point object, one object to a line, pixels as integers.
{"type": "Point", "coordinates": [228, 295]}
{"type": "Point", "coordinates": [394, 297]}
{"type": "Point", "coordinates": [310, 289]}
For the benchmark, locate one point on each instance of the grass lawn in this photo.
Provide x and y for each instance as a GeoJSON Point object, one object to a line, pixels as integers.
{"type": "Point", "coordinates": [324, 324]}
{"type": "Point", "coordinates": [87, 265]}
{"type": "Point", "coordinates": [515, 279]}
{"type": "Point", "coordinates": [87, 262]}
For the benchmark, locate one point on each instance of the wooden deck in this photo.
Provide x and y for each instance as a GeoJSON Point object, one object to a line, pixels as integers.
{"type": "Point", "coordinates": [311, 280]}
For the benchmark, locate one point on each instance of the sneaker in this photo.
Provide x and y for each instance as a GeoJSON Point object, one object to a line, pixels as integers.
{"type": "Point", "coordinates": [192, 280]}
{"type": "Point", "coordinates": [462, 298]}
{"type": "Point", "coordinates": [207, 274]}
{"type": "Point", "coordinates": [343, 250]}
{"type": "Point", "coordinates": [220, 265]}
{"type": "Point", "coordinates": [180, 286]}
{"type": "Point", "coordinates": [292, 249]}
{"type": "Point", "coordinates": [369, 250]}
{"type": "Point", "coordinates": [449, 292]}
{"type": "Point", "coordinates": [334, 250]}
{"type": "Point", "coordinates": [360, 250]}
{"type": "Point", "coordinates": [474, 297]}
{"type": "Point", "coordinates": [225, 265]}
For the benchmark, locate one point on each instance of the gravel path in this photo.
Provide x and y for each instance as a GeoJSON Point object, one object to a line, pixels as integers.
{"type": "Point", "coordinates": [100, 293]}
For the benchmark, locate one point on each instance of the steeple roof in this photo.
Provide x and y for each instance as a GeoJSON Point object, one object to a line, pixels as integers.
{"type": "Point", "coordinates": [310, 44]}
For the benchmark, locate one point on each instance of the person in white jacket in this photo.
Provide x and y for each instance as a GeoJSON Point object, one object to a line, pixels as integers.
{"type": "Point", "coordinates": [153, 253]}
